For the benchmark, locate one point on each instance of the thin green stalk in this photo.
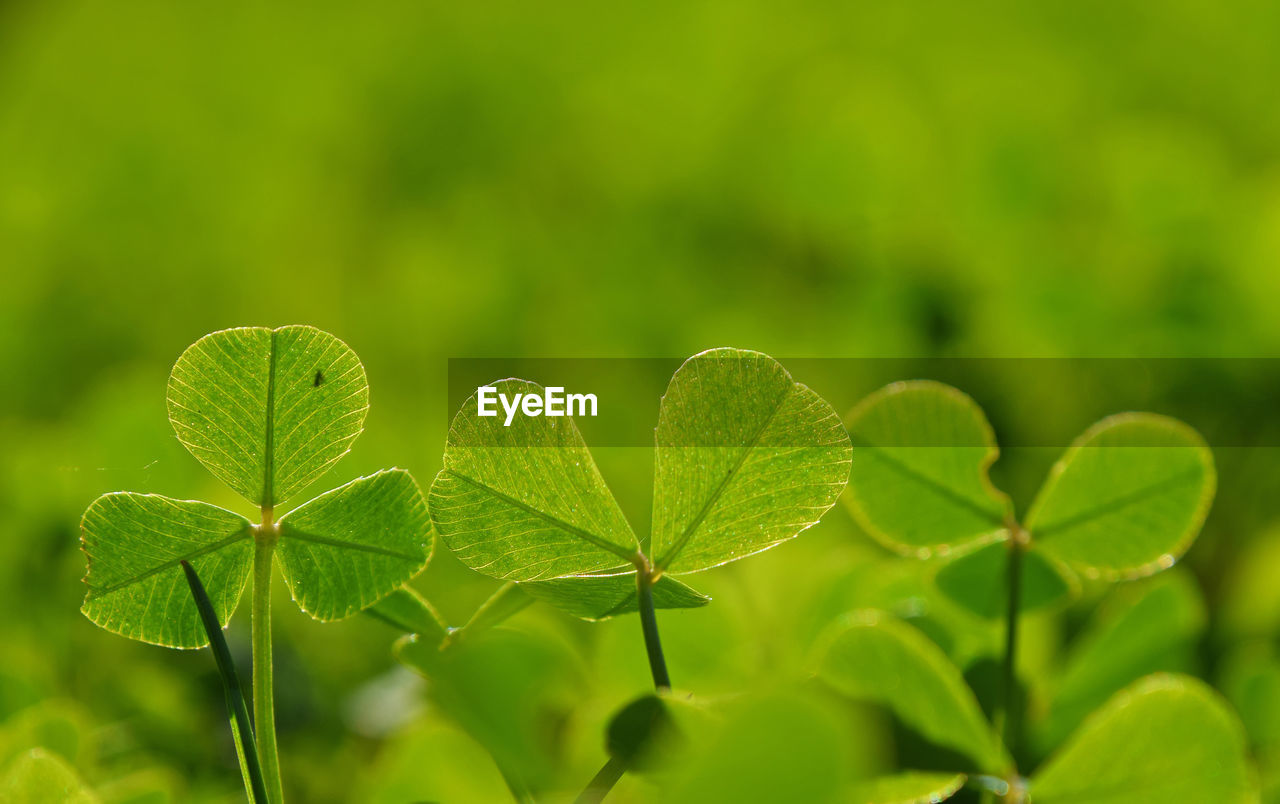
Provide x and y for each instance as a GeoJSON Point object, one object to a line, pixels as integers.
{"type": "Point", "coordinates": [614, 768]}
{"type": "Point", "coordinates": [1009, 714]}
{"type": "Point", "coordinates": [241, 727]}
{"type": "Point", "coordinates": [602, 783]}
{"type": "Point", "coordinates": [649, 624]}
{"type": "Point", "coordinates": [264, 716]}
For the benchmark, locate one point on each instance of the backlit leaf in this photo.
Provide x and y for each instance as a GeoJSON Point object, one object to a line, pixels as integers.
{"type": "Point", "coordinates": [919, 484]}
{"type": "Point", "coordinates": [1127, 498]}
{"type": "Point", "coordinates": [746, 458]}
{"type": "Point", "coordinates": [135, 543]}
{"type": "Point", "coordinates": [268, 411]}
{"type": "Point", "coordinates": [876, 658]}
{"type": "Point", "coordinates": [1166, 738]}
{"type": "Point", "coordinates": [526, 502]}
{"type": "Point", "coordinates": [350, 547]}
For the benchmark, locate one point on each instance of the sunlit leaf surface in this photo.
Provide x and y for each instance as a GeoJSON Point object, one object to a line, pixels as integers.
{"type": "Point", "coordinates": [134, 543]}
{"type": "Point", "coordinates": [268, 411]}
{"type": "Point", "coordinates": [526, 502]}
{"type": "Point", "coordinates": [350, 547]}
{"type": "Point", "coordinates": [746, 458]}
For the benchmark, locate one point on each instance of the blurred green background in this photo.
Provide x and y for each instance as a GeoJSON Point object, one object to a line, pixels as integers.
{"type": "Point", "coordinates": [430, 180]}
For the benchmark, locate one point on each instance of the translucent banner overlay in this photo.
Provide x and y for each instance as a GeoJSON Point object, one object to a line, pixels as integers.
{"type": "Point", "coordinates": [1030, 402]}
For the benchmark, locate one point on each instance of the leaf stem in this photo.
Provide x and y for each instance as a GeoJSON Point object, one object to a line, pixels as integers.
{"type": "Point", "coordinates": [1009, 714]}
{"type": "Point", "coordinates": [603, 782]}
{"type": "Point", "coordinates": [242, 727]}
{"type": "Point", "coordinates": [264, 716]}
{"type": "Point", "coordinates": [649, 624]}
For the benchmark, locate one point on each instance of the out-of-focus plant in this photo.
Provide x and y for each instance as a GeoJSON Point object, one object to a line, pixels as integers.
{"type": "Point", "coordinates": [1124, 501]}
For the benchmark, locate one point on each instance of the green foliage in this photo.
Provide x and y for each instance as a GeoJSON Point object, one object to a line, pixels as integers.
{"type": "Point", "coordinates": [349, 547]}
{"type": "Point", "coordinates": [526, 502]}
{"type": "Point", "coordinates": [267, 411]}
{"type": "Point", "coordinates": [876, 658]}
{"type": "Point", "coordinates": [1166, 738]}
{"type": "Point", "coordinates": [433, 761]}
{"type": "Point", "coordinates": [503, 604]}
{"type": "Point", "coordinates": [781, 746]}
{"type": "Point", "coordinates": [237, 709]}
{"type": "Point", "coordinates": [1150, 627]}
{"type": "Point", "coordinates": [913, 787]}
{"type": "Point", "coordinates": [879, 179]}
{"type": "Point", "coordinates": [967, 580]}
{"type": "Point", "coordinates": [57, 726]}
{"type": "Point", "coordinates": [135, 544]}
{"type": "Point", "coordinates": [602, 597]}
{"type": "Point", "coordinates": [39, 777]}
{"type": "Point", "coordinates": [746, 458]}
{"type": "Point", "coordinates": [1250, 679]}
{"type": "Point", "coordinates": [920, 483]}
{"type": "Point", "coordinates": [507, 689]}
{"type": "Point", "coordinates": [407, 610]}
{"type": "Point", "coordinates": [1125, 500]}
{"type": "Point", "coordinates": [643, 734]}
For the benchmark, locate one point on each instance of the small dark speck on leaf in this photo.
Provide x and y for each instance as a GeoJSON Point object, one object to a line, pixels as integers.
{"type": "Point", "coordinates": [319, 379]}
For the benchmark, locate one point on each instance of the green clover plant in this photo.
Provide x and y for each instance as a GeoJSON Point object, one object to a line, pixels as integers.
{"type": "Point", "coordinates": [267, 411]}
{"type": "Point", "coordinates": [746, 458]}
{"type": "Point", "coordinates": [1124, 501]}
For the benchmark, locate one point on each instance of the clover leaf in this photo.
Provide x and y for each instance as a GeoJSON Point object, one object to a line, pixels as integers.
{"type": "Point", "coordinates": [1126, 499]}
{"type": "Point", "coordinates": [267, 411]}
{"type": "Point", "coordinates": [746, 458]}
{"type": "Point", "coordinates": [920, 483]}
